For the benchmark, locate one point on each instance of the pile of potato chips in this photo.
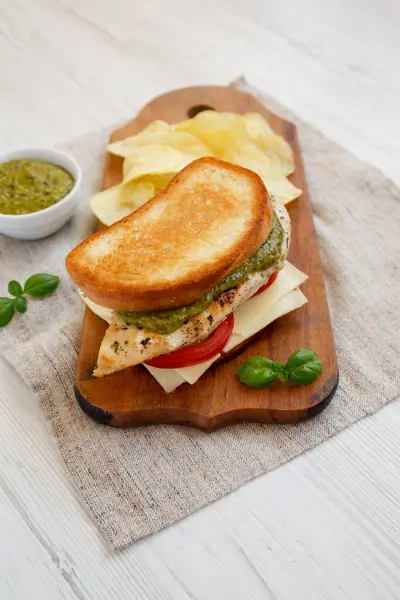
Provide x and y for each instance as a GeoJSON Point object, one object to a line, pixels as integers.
{"type": "Point", "coordinates": [155, 155]}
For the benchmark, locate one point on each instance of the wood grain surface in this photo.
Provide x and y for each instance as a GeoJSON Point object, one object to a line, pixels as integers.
{"type": "Point", "coordinates": [133, 397]}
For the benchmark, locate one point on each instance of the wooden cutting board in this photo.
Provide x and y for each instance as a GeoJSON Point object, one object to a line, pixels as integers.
{"type": "Point", "coordinates": [133, 397]}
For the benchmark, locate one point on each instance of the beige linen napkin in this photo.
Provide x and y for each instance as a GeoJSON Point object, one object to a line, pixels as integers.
{"type": "Point", "coordinates": [134, 482]}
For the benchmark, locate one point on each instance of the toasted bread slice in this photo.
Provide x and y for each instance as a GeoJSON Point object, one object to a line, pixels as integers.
{"type": "Point", "coordinates": [209, 219]}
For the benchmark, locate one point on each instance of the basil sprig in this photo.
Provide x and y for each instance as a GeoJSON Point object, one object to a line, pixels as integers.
{"type": "Point", "coordinates": [6, 311]}
{"type": "Point", "coordinates": [302, 367]}
{"type": "Point", "coordinates": [37, 286]}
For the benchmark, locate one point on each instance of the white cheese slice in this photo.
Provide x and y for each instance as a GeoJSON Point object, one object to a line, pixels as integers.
{"type": "Point", "coordinates": [101, 311]}
{"type": "Point", "coordinates": [169, 379]}
{"type": "Point", "coordinates": [192, 374]}
{"type": "Point", "coordinates": [248, 315]}
{"type": "Point", "coordinates": [289, 302]}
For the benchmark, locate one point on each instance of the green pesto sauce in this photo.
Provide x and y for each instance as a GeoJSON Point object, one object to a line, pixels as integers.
{"type": "Point", "coordinates": [28, 185]}
{"type": "Point", "coordinates": [167, 321]}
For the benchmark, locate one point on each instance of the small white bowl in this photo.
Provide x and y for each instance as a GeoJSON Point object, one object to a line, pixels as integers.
{"type": "Point", "coordinates": [42, 223]}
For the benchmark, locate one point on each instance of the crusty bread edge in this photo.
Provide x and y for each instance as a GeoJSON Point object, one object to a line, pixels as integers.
{"type": "Point", "coordinates": [119, 295]}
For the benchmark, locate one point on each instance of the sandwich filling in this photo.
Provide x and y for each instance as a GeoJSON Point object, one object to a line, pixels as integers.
{"type": "Point", "coordinates": [126, 345]}
{"type": "Point", "coordinates": [168, 321]}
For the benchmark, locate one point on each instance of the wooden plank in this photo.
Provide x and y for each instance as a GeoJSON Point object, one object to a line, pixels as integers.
{"type": "Point", "coordinates": [133, 397]}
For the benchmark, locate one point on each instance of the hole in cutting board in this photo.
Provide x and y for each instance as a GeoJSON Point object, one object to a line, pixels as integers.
{"type": "Point", "coordinates": [195, 110]}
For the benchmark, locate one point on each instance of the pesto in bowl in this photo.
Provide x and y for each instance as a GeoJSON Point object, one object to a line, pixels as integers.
{"type": "Point", "coordinates": [29, 185]}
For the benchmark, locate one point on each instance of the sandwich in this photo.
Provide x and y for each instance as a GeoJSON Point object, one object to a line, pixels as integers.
{"type": "Point", "coordinates": [173, 278]}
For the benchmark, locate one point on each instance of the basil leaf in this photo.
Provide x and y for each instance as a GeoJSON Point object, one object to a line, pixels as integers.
{"type": "Point", "coordinates": [41, 285]}
{"type": "Point", "coordinates": [257, 372]}
{"type": "Point", "coordinates": [306, 373]}
{"type": "Point", "coordinates": [281, 371]}
{"type": "Point", "coordinates": [14, 288]}
{"type": "Point", "coordinates": [300, 357]}
{"type": "Point", "coordinates": [20, 304]}
{"type": "Point", "coordinates": [303, 366]}
{"type": "Point", "coordinates": [6, 311]}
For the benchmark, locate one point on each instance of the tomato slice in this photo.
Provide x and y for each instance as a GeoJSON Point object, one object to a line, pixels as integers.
{"type": "Point", "coordinates": [196, 353]}
{"type": "Point", "coordinates": [266, 285]}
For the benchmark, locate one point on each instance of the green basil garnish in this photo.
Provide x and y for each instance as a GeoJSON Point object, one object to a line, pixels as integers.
{"type": "Point", "coordinates": [257, 372]}
{"type": "Point", "coordinates": [15, 288]}
{"type": "Point", "coordinates": [302, 367]}
{"type": "Point", "coordinates": [20, 304]}
{"type": "Point", "coordinates": [37, 286]}
{"type": "Point", "coordinates": [41, 285]}
{"type": "Point", "coordinates": [6, 311]}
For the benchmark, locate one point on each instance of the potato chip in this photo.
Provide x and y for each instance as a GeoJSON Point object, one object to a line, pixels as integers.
{"type": "Point", "coordinates": [138, 192]}
{"type": "Point", "coordinates": [107, 206]}
{"type": "Point", "coordinates": [256, 125]}
{"type": "Point", "coordinates": [274, 146]}
{"type": "Point", "coordinates": [117, 202]}
{"type": "Point", "coordinates": [160, 181]}
{"type": "Point", "coordinates": [217, 130]}
{"type": "Point", "coordinates": [153, 159]}
{"type": "Point", "coordinates": [186, 143]}
{"type": "Point", "coordinates": [157, 125]}
{"type": "Point", "coordinates": [247, 154]}
{"type": "Point", "coordinates": [156, 154]}
{"type": "Point", "coordinates": [124, 147]}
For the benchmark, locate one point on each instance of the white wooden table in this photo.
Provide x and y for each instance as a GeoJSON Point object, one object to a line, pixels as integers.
{"type": "Point", "coordinates": [325, 526]}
